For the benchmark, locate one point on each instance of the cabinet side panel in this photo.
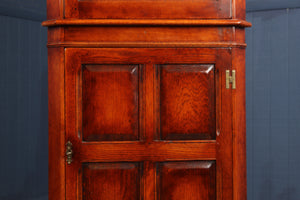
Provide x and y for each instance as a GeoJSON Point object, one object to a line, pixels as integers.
{"type": "Point", "coordinates": [239, 9]}
{"type": "Point", "coordinates": [239, 126]}
{"type": "Point", "coordinates": [55, 9]}
{"type": "Point", "coordinates": [56, 123]}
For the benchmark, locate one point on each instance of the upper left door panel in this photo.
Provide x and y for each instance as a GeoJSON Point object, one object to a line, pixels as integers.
{"type": "Point", "coordinates": [107, 101]}
{"type": "Point", "coordinates": [109, 97]}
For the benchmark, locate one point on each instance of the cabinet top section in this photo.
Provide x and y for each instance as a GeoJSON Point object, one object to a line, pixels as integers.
{"type": "Point", "coordinates": [143, 10]}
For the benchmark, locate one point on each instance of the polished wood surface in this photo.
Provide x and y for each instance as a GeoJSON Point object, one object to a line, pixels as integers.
{"type": "Point", "coordinates": [56, 132]}
{"type": "Point", "coordinates": [239, 126]}
{"type": "Point", "coordinates": [113, 181]}
{"type": "Point", "coordinates": [147, 34]}
{"type": "Point", "coordinates": [147, 22]}
{"type": "Point", "coordinates": [146, 37]}
{"type": "Point", "coordinates": [109, 98]}
{"type": "Point", "coordinates": [187, 101]}
{"type": "Point", "coordinates": [195, 180]}
{"type": "Point", "coordinates": [209, 9]}
{"type": "Point", "coordinates": [150, 148]}
{"type": "Point", "coordinates": [136, 9]}
{"type": "Point", "coordinates": [138, 88]}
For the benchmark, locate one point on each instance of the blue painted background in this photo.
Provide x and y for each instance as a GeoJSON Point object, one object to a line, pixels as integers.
{"type": "Point", "coordinates": [273, 105]}
{"type": "Point", "coordinates": [273, 100]}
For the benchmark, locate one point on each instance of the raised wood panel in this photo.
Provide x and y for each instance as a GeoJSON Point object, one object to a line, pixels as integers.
{"type": "Point", "coordinates": [194, 180]}
{"type": "Point", "coordinates": [148, 9]}
{"type": "Point", "coordinates": [113, 181]}
{"type": "Point", "coordinates": [110, 102]}
{"type": "Point", "coordinates": [187, 101]}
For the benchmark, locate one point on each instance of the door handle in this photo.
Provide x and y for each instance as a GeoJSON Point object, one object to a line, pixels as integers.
{"type": "Point", "coordinates": [69, 152]}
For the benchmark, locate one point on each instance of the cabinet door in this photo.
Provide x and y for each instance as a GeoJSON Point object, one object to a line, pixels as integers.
{"type": "Point", "coordinates": [148, 124]}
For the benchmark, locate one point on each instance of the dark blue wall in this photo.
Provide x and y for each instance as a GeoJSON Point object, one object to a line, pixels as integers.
{"type": "Point", "coordinates": [273, 104]}
{"type": "Point", "coordinates": [23, 101]}
{"type": "Point", "coordinates": [266, 5]}
{"type": "Point", "coordinates": [273, 100]}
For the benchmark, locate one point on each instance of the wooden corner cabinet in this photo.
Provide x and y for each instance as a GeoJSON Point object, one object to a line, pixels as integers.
{"type": "Point", "coordinates": [146, 99]}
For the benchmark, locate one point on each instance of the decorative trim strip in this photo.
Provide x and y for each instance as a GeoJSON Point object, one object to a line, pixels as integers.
{"type": "Point", "coordinates": [147, 45]}
{"type": "Point", "coordinates": [145, 22]}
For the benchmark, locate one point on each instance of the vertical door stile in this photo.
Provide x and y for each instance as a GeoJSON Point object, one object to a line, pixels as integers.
{"type": "Point", "coordinates": [224, 134]}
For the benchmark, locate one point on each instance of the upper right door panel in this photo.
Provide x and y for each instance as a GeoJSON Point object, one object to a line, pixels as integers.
{"type": "Point", "coordinates": [148, 9]}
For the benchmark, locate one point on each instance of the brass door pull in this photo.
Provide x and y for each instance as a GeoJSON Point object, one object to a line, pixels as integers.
{"type": "Point", "coordinates": [69, 152]}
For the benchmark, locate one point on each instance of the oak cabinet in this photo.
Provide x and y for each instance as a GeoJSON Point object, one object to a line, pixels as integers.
{"type": "Point", "coordinates": [146, 100]}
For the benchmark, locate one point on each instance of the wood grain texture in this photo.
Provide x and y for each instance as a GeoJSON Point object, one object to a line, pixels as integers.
{"type": "Point", "coordinates": [112, 181]}
{"type": "Point", "coordinates": [56, 133]}
{"type": "Point", "coordinates": [187, 102]}
{"type": "Point", "coordinates": [152, 9]}
{"type": "Point", "coordinates": [110, 102]}
{"type": "Point", "coordinates": [149, 180]}
{"type": "Point", "coordinates": [55, 9]}
{"type": "Point", "coordinates": [239, 127]}
{"type": "Point", "coordinates": [239, 9]}
{"type": "Point", "coordinates": [142, 55]}
{"type": "Point", "coordinates": [224, 128]}
{"type": "Point", "coordinates": [150, 150]}
{"type": "Point", "coordinates": [147, 34]}
{"type": "Point", "coordinates": [56, 34]}
{"type": "Point", "coordinates": [139, 151]}
{"type": "Point", "coordinates": [186, 180]}
{"type": "Point", "coordinates": [147, 22]}
{"type": "Point", "coordinates": [105, 36]}
{"type": "Point", "coordinates": [150, 119]}
{"type": "Point", "coordinates": [147, 44]}
{"type": "Point", "coordinates": [145, 107]}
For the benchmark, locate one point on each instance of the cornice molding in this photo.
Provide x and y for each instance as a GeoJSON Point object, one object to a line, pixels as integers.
{"type": "Point", "coordinates": [147, 44]}
{"type": "Point", "coordinates": [144, 22]}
